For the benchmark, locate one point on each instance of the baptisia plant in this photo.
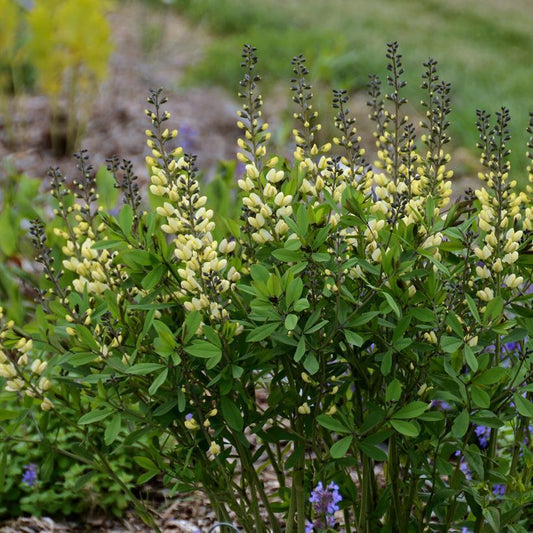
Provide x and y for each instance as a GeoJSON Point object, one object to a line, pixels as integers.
{"type": "Point", "coordinates": [345, 338]}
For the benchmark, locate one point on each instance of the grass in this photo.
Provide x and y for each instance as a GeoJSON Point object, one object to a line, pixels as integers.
{"type": "Point", "coordinates": [483, 49]}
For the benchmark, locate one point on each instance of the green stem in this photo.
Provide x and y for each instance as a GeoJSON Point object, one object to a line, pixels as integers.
{"type": "Point", "coordinates": [292, 511]}
{"type": "Point", "coordinates": [397, 520]}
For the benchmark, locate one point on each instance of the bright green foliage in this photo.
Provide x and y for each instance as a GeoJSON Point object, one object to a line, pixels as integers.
{"type": "Point", "coordinates": [65, 484]}
{"type": "Point", "coordinates": [20, 202]}
{"type": "Point", "coordinates": [351, 321]}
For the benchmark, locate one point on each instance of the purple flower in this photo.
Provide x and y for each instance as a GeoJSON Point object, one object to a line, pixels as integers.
{"type": "Point", "coordinates": [441, 404]}
{"type": "Point", "coordinates": [463, 466]}
{"type": "Point", "coordinates": [325, 504]}
{"type": "Point", "coordinates": [483, 435]}
{"type": "Point", "coordinates": [188, 416]}
{"type": "Point", "coordinates": [30, 474]}
{"type": "Point", "coordinates": [499, 490]}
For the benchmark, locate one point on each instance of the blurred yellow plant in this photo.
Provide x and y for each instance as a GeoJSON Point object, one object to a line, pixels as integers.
{"type": "Point", "coordinates": [70, 45]}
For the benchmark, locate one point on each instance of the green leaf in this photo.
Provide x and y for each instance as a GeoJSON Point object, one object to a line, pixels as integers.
{"type": "Point", "coordinates": [490, 376]}
{"type": "Point", "coordinates": [294, 291]}
{"type": "Point", "coordinates": [523, 405]}
{"type": "Point", "coordinates": [262, 332]}
{"type": "Point", "coordinates": [190, 326]}
{"type": "Point", "coordinates": [470, 358]}
{"type": "Point", "coordinates": [301, 305]}
{"type": "Point", "coordinates": [291, 321]}
{"type": "Point", "coordinates": [142, 369]}
{"type": "Point", "coordinates": [8, 242]}
{"type": "Point", "coordinates": [105, 185]}
{"type": "Point", "coordinates": [300, 349]}
{"type": "Point", "coordinates": [288, 256]}
{"type": "Point", "coordinates": [203, 349]}
{"type": "Point", "coordinates": [8, 415]}
{"type": "Point", "coordinates": [317, 327]}
{"type": "Point", "coordinates": [95, 416]}
{"type": "Point", "coordinates": [453, 321]}
{"type": "Point", "coordinates": [158, 381]}
{"type": "Point", "coordinates": [392, 304]}
{"type": "Point", "coordinates": [409, 429]}
{"type": "Point", "coordinates": [372, 451]}
{"type": "Point", "coordinates": [320, 257]}
{"type": "Point", "coordinates": [394, 391]}
{"type": "Point", "coordinates": [460, 424]}
{"type": "Point", "coordinates": [473, 308]}
{"type": "Point", "coordinates": [450, 344]}
{"type": "Point", "coordinates": [87, 337]}
{"type": "Point", "coordinates": [311, 364]}
{"type": "Point", "coordinates": [153, 277]}
{"type": "Point", "coordinates": [302, 220]}
{"type": "Point", "coordinates": [386, 363]}
{"type": "Point", "coordinates": [231, 414]}
{"type": "Point", "coordinates": [411, 410]}
{"type": "Point", "coordinates": [82, 480]}
{"type": "Point", "coordinates": [147, 476]}
{"type": "Point", "coordinates": [353, 338]}
{"type": "Point", "coordinates": [339, 449]}
{"type": "Point", "coordinates": [332, 424]}
{"type": "Point", "coordinates": [479, 397]}
{"type": "Point", "coordinates": [492, 516]}
{"type": "Point", "coordinates": [125, 219]}
{"type": "Point", "coordinates": [112, 429]}
{"type": "Point", "coordinates": [494, 309]}
{"type": "Point", "coordinates": [146, 463]}
{"type": "Point", "coordinates": [80, 359]}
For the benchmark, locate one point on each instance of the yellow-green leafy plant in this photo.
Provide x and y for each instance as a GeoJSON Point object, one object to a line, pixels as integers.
{"type": "Point", "coordinates": [354, 334]}
{"type": "Point", "coordinates": [11, 53]}
{"type": "Point", "coordinates": [70, 46]}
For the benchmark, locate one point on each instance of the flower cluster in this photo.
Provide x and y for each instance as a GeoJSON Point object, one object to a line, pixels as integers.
{"type": "Point", "coordinates": [22, 371]}
{"type": "Point", "coordinates": [325, 502]}
{"type": "Point", "coordinates": [204, 275]}
{"type": "Point", "coordinates": [502, 211]}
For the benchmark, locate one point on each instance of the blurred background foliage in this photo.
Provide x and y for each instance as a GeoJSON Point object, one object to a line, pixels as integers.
{"type": "Point", "coordinates": [483, 48]}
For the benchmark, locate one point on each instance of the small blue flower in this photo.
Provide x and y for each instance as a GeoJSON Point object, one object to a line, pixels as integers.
{"type": "Point", "coordinates": [483, 435]}
{"type": "Point", "coordinates": [499, 490]}
{"type": "Point", "coordinates": [30, 474]}
{"type": "Point", "coordinates": [441, 404]}
{"type": "Point", "coordinates": [463, 466]}
{"type": "Point", "coordinates": [325, 504]}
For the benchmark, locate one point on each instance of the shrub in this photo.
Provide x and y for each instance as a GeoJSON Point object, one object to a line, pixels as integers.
{"type": "Point", "coordinates": [354, 333]}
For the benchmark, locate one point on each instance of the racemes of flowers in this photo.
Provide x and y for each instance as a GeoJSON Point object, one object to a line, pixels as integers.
{"type": "Point", "coordinates": [350, 332]}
